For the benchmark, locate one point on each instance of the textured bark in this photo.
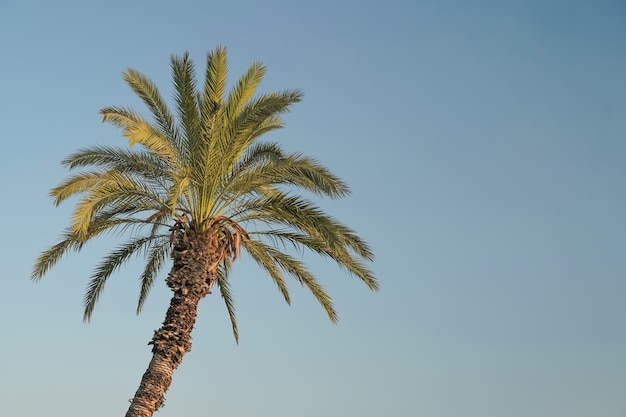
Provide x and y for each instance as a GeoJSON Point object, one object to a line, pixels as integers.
{"type": "Point", "coordinates": [194, 271]}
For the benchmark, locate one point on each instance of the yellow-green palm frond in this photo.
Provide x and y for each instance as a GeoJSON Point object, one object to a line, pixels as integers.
{"type": "Point", "coordinates": [186, 99]}
{"type": "Point", "coordinates": [244, 90]}
{"type": "Point", "coordinates": [293, 169]}
{"type": "Point", "coordinates": [231, 142]}
{"type": "Point", "coordinates": [179, 195]}
{"type": "Point", "coordinates": [139, 131]}
{"type": "Point", "coordinates": [215, 79]}
{"type": "Point", "coordinates": [197, 139]}
{"type": "Point", "coordinates": [259, 153]}
{"type": "Point", "coordinates": [142, 166]}
{"type": "Point", "coordinates": [149, 94]}
{"type": "Point", "coordinates": [137, 162]}
{"type": "Point", "coordinates": [255, 115]}
{"type": "Point", "coordinates": [75, 184]}
{"type": "Point", "coordinates": [266, 126]}
{"type": "Point", "coordinates": [113, 189]}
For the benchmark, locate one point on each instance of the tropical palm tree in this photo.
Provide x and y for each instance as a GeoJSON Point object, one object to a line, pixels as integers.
{"type": "Point", "coordinates": [200, 187]}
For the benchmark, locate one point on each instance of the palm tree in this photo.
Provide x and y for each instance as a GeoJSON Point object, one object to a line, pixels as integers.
{"type": "Point", "coordinates": [200, 187]}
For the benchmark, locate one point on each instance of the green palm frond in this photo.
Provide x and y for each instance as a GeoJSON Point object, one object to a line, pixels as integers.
{"type": "Point", "coordinates": [340, 255]}
{"type": "Point", "coordinates": [256, 250]}
{"type": "Point", "coordinates": [107, 266]}
{"type": "Point", "coordinates": [303, 215]}
{"type": "Point", "coordinates": [71, 242]}
{"type": "Point", "coordinates": [312, 176]}
{"type": "Point", "coordinates": [288, 238]}
{"type": "Point", "coordinates": [295, 212]}
{"type": "Point", "coordinates": [155, 258]}
{"type": "Point", "coordinates": [53, 255]}
{"type": "Point", "coordinates": [259, 153]}
{"type": "Point", "coordinates": [223, 273]}
{"type": "Point", "coordinates": [295, 268]}
{"type": "Point", "coordinates": [140, 163]}
{"type": "Point", "coordinates": [339, 242]}
{"type": "Point", "coordinates": [293, 169]}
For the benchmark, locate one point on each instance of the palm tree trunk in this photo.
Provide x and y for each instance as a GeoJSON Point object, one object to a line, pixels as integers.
{"type": "Point", "coordinates": [190, 279]}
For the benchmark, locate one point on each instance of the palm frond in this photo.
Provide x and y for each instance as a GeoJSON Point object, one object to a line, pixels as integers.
{"type": "Point", "coordinates": [149, 94]}
{"type": "Point", "coordinates": [269, 124]}
{"type": "Point", "coordinates": [76, 184]}
{"type": "Point", "coordinates": [254, 115]}
{"type": "Point", "coordinates": [223, 272]}
{"type": "Point", "coordinates": [257, 251]}
{"type": "Point", "coordinates": [73, 242]}
{"type": "Point", "coordinates": [141, 163]}
{"type": "Point", "coordinates": [106, 267]}
{"type": "Point", "coordinates": [51, 256]}
{"type": "Point", "coordinates": [158, 252]}
{"type": "Point", "coordinates": [244, 90]}
{"type": "Point", "coordinates": [215, 78]}
{"type": "Point", "coordinates": [296, 269]}
{"type": "Point", "coordinates": [340, 255]}
{"type": "Point", "coordinates": [114, 190]}
{"type": "Point", "coordinates": [185, 96]}
{"type": "Point", "coordinates": [293, 170]}
{"type": "Point", "coordinates": [298, 241]}
{"type": "Point", "coordinates": [139, 131]}
{"type": "Point", "coordinates": [309, 174]}
{"type": "Point", "coordinates": [303, 215]}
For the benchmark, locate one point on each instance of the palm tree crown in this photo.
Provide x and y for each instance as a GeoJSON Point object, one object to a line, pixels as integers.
{"type": "Point", "coordinates": [204, 172]}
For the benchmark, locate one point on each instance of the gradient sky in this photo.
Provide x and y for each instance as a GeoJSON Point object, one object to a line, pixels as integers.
{"type": "Point", "coordinates": [485, 146]}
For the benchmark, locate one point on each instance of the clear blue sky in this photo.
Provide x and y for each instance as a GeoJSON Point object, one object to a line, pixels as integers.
{"type": "Point", "coordinates": [485, 145]}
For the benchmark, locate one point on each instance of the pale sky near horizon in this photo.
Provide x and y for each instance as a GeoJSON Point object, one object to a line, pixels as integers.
{"type": "Point", "coordinates": [484, 143]}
